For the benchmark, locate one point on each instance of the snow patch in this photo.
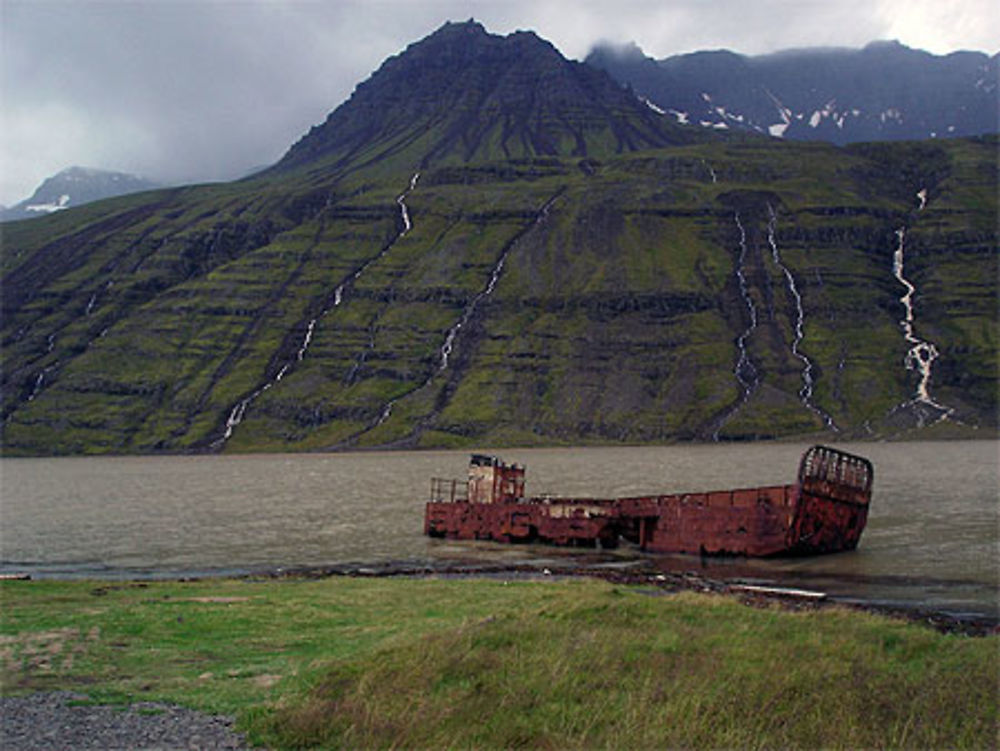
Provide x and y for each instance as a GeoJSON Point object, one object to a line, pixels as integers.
{"type": "Point", "coordinates": [49, 208]}
{"type": "Point", "coordinates": [778, 129]}
{"type": "Point", "coordinates": [891, 114]}
{"type": "Point", "coordinates": [829, 111]}
{"type": "Point", "coordinates": [653, 106]}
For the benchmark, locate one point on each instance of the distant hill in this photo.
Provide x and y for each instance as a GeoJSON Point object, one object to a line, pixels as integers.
{"type": "Point", "coordinates": [488, 245]}
{"type": "Point", "coordinates": [883, 92]}
{"type": "Point", "coordinates": [75, 186]}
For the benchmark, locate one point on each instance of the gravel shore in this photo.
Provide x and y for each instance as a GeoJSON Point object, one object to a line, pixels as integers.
{"type": "Point", "coordinates": [57, 720]}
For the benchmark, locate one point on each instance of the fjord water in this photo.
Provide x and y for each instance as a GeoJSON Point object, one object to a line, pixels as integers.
{"type": "Point", "coordinates": [931, 540]}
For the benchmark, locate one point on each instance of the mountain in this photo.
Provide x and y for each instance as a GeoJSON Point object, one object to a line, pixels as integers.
{"type": "Point", "coordinates": [883, 92]}
{"type": "Point", "coordinates": [75, 186]}
{"type": "Point", "coordinates": [490, 245]}
{"type": "Point", "coordinates": [463, 95]}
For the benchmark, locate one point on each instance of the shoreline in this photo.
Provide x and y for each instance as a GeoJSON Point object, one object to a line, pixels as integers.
{"type": "Point", "coordinates": [659, 582]}
{"type": "Point", "coordinates": [750, 589]}
{"type": "Point", "coordinates": [968, 433]}
{"type": "Point", "coordinates": [915, 435]}
{"type": "Point", "coordinates": [662, 583]}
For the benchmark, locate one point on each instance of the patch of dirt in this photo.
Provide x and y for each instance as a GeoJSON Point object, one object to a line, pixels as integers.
{"type": "Point", "coordinates": [265, 680]}
{"type": "Point", "coordinates": [43, 651]}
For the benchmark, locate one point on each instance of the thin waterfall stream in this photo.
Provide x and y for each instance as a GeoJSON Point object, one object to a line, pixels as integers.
{"type": "Point", "coordinates": [806, 392]}
{"type": "Point", "coordinates": [238, 412]}
{"type": "Point", "coordinates": [922, 354]}
{"type": "Point", "coordinates": [745, 371]}
{"type": "Point", "coordinates": [447, 347]}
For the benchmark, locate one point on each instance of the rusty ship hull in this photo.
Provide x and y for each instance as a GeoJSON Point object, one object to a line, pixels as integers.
{"type": "Point", "coordinates": [825, 511]}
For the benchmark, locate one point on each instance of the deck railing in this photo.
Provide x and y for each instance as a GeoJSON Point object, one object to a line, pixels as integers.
{"type": "Point", "coordinates": [448, 491]}
{"type": "Point", "coordinates": [827, 467]}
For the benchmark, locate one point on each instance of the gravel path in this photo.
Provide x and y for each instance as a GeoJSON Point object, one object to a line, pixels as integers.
{"type": "Point", "coordinates": [48, 721]}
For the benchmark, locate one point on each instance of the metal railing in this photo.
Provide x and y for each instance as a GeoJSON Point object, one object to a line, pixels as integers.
{"type": "Point", "coordinates": [448, 491]}
{"type": "Point", "coordinates": [822, 464]}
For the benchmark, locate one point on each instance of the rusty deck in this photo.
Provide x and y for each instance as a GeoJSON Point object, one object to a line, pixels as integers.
{"type": "Point", "coordinates": [824, 511]}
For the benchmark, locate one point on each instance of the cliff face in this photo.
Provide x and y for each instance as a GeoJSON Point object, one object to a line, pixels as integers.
{"type": "Point", "coordinates": [384, 290]}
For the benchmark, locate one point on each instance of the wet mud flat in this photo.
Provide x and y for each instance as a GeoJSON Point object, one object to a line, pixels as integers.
{"type": "Point", "coordinates": [653, 580]}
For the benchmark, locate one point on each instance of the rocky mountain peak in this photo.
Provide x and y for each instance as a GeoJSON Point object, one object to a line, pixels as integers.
{"type": "Point", "coordinates": [75, 186]}
{"type": "Point", "coordinates": [464, 93]}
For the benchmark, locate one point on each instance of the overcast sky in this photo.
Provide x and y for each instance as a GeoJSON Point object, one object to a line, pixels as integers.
{"type": "Point", "coordinates": [184, 90]}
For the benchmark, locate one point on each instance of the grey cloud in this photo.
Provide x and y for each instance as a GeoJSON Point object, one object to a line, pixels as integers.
{"type": "Point", "coordinates": [205, 90]}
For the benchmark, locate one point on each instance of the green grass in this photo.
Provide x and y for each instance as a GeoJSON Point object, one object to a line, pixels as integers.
{"type": "Point", "coordinates": [378, 663]}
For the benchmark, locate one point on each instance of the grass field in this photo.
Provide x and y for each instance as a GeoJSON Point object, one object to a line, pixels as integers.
{"type": "Point", "coordinates": [432, 663]}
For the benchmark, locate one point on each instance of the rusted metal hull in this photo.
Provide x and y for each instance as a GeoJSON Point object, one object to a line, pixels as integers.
{"type": "Point", "coordinates": [824, 512]}
{"type": "Point", "coordinates": [530, 521]}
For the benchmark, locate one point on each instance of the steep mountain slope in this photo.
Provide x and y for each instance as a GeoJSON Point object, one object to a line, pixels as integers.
{"type": "Point", "coordinates": [883, 92]}
{"type": "Point", "coordinates": [75, 186]}
{"type": "Point", "coordinates": [394, 287]}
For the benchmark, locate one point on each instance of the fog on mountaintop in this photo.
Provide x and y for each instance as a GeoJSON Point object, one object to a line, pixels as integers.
{"type": "Point", "coordinates": [191, 92]}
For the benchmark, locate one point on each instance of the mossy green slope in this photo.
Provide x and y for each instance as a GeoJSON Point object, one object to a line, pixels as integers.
{"type": "Point", "coordinates": [582, 300]}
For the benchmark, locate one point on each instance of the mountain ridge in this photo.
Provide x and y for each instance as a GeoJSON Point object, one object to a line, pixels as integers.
{"type": "Point", "coordinates": [883, 91]}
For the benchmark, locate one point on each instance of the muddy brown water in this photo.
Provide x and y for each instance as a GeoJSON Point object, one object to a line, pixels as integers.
{"type": "Point", "coordinates": [931, 540]}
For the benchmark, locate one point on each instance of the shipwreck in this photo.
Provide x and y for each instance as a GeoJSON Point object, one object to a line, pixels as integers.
{"type": "Point", "coordinates": [825, 511]}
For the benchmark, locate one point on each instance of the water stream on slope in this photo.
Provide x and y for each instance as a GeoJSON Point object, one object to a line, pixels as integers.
{"type": "Point", "coordinates": [922, 354]}
{"type": "Point", "coordinates": [805, 394]}
{"type": "Point", "coordinates": [446, 349]}
{"type": "Point", "coordinates": [238, 412]}
{"type": "Point", "coordinates": [745, 372]}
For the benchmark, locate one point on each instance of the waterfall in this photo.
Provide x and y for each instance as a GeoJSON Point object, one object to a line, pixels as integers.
{"type": "Point", "coordinates": [711, 171]}
{"type": "Point", "coordinates": [449, 340]}
{"type": "Point", "coordinates": [805, 393]}
{"type": "Point", "coordinates": [239, 410]}
{"type": "Point", "coordinates": [37, 387]}
{"type": "Point", "coordinates": [745, 372]}
{"type": "Point", "coordinates": [448, 345]}
{"type": "Point", "coordinates": [922, 354]}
